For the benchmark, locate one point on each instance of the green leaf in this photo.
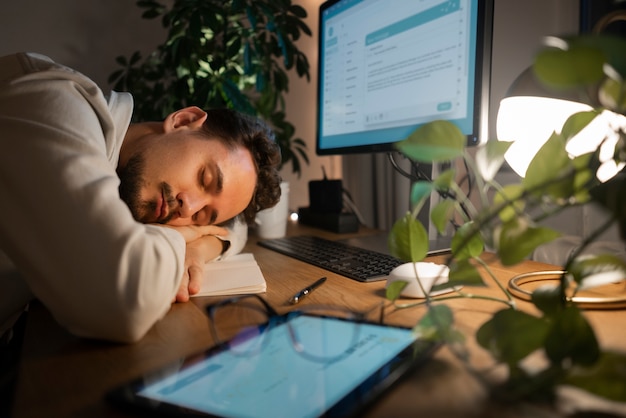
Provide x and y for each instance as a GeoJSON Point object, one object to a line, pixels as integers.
{"type": "Point", "coordinates": [467, 242]}
{"type": "Point", "coordinates": [437, 141]}
{"type": "Point", "coordinates": [420, 191]}
{"type": "Point", "coordinates": [571, 337]}
{"type": "Point", "coordinates": [445, 180]}
{"type": "Point", "coordinates": [302, 66]}
{"type": "Point", "coordinates": [463, 272]}
{"type": "Point", "coordinates": [511, 335]}
{"type": "Point", "coordinates": [582, 61]}
{"type": "Point", "coordinates": [437, 324]}
{"type": "Point", "coordinates": [236, 98]}
{"type": "Point", "coordinates": [297, 10]}
{"type": "Point", "coordinates": [611, 46]}
{"type": "Point", "coordinates": [394, 289]}
{"type": "Point", "coordinates": [606, 378]}
{"type": "Point", "coordinates": [150, 14]}
{"type": "Point", "coordinates": [612, 95]}
{"type": "Point", "coordinates": [511, 195]}
{"type": "Point", "coordinates": [252, 17]}
{"type": "Point", "coordinates": [518, 239]}
{"type": "Point", "coordinates": [135, 58]}
{"type": "Point", "coordinates": [490, 157]}
{"type": "Point", "coordinates": [597, 270]}
{"type": "Point", "coordinates": [548, 298]}
{"type": "Point", "coordinates": [408, 239]}
{"type": "Point", "coordinates": [442, 213]}
{"type": "Point", "coordinates": [584, 179]}
{"type": "Point", "coordinates": [121, 60]}
{"type": "Point", "coordinates": [577, 122]}
{"type": "Point", "coordinates": [546, 174]}
{"type": "Point", "coordinates": [566, 69]}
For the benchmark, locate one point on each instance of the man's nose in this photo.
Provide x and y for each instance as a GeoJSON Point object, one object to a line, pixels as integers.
{"type": "Point", "coordinates": [190, 204]}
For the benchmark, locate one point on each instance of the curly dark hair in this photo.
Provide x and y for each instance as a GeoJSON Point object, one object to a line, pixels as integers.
{"type": "Point", "coordinates": [235, 129]}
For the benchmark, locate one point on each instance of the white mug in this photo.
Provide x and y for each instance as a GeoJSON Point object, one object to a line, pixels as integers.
{"type": "Point", "coordinates": [272, 222]}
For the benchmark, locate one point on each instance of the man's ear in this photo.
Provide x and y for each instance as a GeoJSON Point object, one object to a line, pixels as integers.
{"type": "Point", "coordinates": [188, 118]}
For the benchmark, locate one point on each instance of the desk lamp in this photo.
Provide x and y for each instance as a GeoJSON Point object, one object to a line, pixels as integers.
{"type": "Point", "coordinates": [529, 114]}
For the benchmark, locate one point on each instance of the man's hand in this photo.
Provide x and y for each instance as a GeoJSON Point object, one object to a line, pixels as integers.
{"type": "Point", "coordinates": [202, 246]}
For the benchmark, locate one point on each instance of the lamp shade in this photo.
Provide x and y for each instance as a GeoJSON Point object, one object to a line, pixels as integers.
{"type": "Point", "coordinates": [530, 114]}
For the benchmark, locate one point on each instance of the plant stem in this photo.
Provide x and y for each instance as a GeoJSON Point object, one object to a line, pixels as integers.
{"type": "Point", "coordinates": [496, 281]}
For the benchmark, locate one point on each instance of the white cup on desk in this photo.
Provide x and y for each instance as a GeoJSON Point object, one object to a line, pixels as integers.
{"type": "Point", "coordinates": [272, 222]}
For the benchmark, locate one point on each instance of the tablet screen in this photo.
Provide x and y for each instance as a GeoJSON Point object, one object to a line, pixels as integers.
{"type": "Point", "coordinates": [271, 378]}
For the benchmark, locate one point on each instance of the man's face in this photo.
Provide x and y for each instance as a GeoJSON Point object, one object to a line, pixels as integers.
{"type": "Point", "coordinates": [181, 178]}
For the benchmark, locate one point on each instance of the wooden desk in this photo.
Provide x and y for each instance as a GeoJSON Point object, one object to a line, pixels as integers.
{"type": "Point", "coordinates": [61, 375]}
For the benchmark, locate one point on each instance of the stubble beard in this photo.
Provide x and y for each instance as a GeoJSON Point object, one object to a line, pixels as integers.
{"type": "Point", "coordinates": [131, 182]}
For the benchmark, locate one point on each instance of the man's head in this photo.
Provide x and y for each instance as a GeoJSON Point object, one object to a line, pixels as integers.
{"type": "Point", "coordinates": [199, 168]}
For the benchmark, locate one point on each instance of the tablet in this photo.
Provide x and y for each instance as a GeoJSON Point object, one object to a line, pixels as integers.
{"type": "Point", "coordinates": [275, 379]}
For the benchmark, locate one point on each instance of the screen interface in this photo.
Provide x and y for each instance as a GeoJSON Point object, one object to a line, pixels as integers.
{"type": "Point", "coordinates": [276, 380]}
{"type": "Point", "coordinates": [387, 66]}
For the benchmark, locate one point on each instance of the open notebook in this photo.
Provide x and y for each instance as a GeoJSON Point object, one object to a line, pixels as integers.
{"type": "Point", "coordinates": [238, 274]}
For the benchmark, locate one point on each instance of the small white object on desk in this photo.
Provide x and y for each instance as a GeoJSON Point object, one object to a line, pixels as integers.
{"type": "Point", "coordinates": [430, 274]}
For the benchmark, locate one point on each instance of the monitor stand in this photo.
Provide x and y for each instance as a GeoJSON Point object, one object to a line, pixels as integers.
{"type": "Point", "coordinates": [378, 243]}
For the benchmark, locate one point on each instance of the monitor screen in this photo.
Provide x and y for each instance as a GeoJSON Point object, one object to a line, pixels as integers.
{"type": "Point", "coordinates": [388, 66]}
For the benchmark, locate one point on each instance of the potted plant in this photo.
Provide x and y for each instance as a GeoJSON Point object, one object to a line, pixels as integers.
{"type": "Point", "coordinates": [507, 222]}
{"type": "Point", "coordinates": [221, 53]}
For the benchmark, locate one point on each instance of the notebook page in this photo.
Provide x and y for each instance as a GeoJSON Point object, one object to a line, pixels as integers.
{"type": "Point", "coordinates": [238, 274]}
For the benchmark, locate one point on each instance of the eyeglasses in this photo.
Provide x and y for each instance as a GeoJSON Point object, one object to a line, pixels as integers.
{"type": "Point", "coordinates": [317, 332]}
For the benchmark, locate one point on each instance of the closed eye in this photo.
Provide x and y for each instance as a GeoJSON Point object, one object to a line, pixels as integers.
{"type": "Point", "coordinates": [205, 178]}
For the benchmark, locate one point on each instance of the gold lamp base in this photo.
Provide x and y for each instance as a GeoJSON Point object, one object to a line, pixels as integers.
{"type": "Point", "coordinates": [585, 302]}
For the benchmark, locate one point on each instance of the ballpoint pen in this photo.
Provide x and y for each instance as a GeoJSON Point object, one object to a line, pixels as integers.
{"type": "Point", "coordinates": [302, 293]}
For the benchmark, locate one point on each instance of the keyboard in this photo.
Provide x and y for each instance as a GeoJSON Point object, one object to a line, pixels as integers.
{"type": "Point", "coordinates": [341, 258]}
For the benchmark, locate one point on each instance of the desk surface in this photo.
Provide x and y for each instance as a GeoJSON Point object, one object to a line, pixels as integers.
{"type": "Point", "coordinates": [61, 375]}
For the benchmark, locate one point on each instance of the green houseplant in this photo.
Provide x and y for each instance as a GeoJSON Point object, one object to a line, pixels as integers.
{"type": "Point", "coordinates": [507, 222]}
{"type": "Point", "coordinates": [221, 53]}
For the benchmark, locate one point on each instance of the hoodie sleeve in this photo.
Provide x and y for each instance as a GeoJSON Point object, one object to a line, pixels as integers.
{"type": "Point", "coordinates": [100, 273]}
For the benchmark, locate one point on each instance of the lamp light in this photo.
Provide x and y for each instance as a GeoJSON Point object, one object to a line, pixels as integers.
{"type": "Point", "coordinates": [529, 114]}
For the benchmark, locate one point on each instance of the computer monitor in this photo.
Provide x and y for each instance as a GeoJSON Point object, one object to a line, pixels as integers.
{"type": "Point", "coordinates": [388, 66]}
